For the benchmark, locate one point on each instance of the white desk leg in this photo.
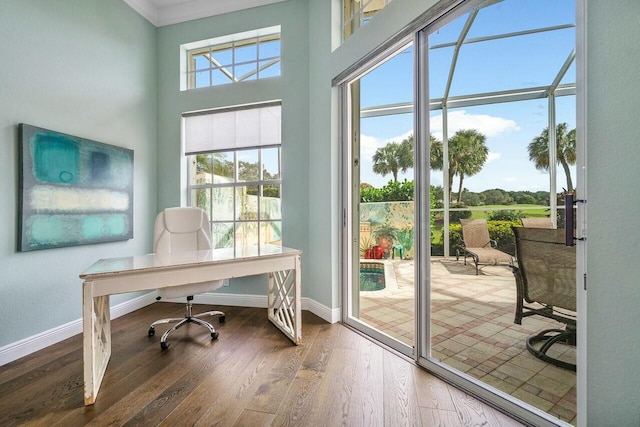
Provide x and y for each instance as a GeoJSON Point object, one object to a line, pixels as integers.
{"type": "Point", "coordinates": [285, 302]}
{"type": "Point", "coordinates": [96, 320]}
{"type": "Point", "coordinates": [298, 298]}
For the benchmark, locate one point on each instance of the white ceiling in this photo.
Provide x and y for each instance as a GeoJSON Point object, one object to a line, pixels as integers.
{"type": "Point", "coordinates": [167, 12]}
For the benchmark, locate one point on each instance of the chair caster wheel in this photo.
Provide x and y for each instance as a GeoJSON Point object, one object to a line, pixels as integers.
{"type": "Point", "coordinates": [214, 335]}
{"type": "Point", "coordinates": [152, 331]}
{"type": "Point", "coordinates": [221, 319]}
{"type": "Point", "coordinates": [164, 345]}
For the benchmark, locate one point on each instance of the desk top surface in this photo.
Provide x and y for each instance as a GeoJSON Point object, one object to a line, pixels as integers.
{"type": "Point", "coordinates": [111, 266]}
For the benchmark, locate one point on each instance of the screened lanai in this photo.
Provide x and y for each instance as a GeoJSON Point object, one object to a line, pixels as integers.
{"type": "Point", "coordinates": [489, 62]}
{"type": "Point", "coordinates": [498, 77]}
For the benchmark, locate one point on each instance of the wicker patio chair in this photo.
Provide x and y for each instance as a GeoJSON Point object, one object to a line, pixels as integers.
{"type": "Point", "coordinates": [477, 244]}
{"type": "Point", "coordinates": [537, 222]}
{"type": "Point", "coordinates": [546, 286]}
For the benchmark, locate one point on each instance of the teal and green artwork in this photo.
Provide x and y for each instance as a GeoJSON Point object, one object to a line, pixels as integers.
{"type": "Point", "coordinates": [73, 191]}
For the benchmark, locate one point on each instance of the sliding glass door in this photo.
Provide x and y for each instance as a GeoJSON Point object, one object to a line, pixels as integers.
{"type": "Point", "coordinates": [380, 201]}
{"type": "Point", "coordinates": [501, 121]}
{"type": "Point", "coordinates": [474, 118]}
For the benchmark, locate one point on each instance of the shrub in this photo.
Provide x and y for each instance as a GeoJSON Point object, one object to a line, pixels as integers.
{"type": "Point", "coordinates": [456, 216]}
{"type": "Point", "coordinates": [371, 194]}
{"type": "Point", "coordinates": [505, 215]}
{"type": "Point", "coordinates": [391, 192]}
{"type": "Point", "coordinates": [397, 191]}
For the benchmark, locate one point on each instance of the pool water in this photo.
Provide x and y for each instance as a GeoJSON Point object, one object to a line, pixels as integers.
{"type": "Point", "coordinates": [372, 276]}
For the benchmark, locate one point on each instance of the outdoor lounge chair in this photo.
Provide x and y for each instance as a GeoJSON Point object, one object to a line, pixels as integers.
{"type": "Point", "coordinates": [546, 286]}
{"type": "Point", "coordinates": [477, 244]}
{"type": "Point", "coordinates": [538, 222]}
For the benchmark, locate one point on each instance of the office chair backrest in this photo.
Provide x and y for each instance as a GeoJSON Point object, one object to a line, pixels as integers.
{"type": "Point", "coordinates": [181, 229]}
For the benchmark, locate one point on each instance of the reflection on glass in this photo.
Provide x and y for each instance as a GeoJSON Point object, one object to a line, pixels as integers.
{"type": "Point", "coordinates": [247, 202]}
{"type": "Point", "coordinates": [222, 204]}
{"type": "Point", "coordinates": [222, 234]}
{"type": "Point", "coordinates": [270, 202]}
{"type": "Point", "coordinates": [223, 167]}
{"type": "Point", "coordinates": [248, 165]}
{"type": "Point", "coordinates": [202, 198]}
{"type": "Point", "coordinates": [203, 169]}
{"type": "Point", "coordinates": [247, 234]}
{"type": "Point", "coordinates": [271, 233]}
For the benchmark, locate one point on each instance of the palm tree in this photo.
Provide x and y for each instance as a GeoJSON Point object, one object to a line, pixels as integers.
{"type": "Point", "coordinates": [565, 150]}
{"type": "Point", "coordinates": [393, 158]}
{"type": "Point", "coordinates": [467, 155]}
{"type": "Point", "coordinates": [470, 154]}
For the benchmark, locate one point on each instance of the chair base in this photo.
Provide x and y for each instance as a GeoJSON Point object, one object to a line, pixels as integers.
{"type": "Point", "coordinates": [188, 318]}
{"type": "Point", "coordinates": [548, 338]}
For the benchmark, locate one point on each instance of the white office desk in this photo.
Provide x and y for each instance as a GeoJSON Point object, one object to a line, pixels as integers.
{"type": "Point", "coordinates": [147, 272]}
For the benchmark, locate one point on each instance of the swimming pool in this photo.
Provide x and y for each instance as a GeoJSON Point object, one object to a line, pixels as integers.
{"type": "Point", "coordinates": [372, 276]}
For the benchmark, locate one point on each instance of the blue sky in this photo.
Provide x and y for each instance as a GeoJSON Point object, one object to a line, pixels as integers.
{"type": "Point", "coordinates": [504, 64]}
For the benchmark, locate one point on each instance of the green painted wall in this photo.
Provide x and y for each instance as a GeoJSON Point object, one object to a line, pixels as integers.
{"type": "Point", "coordinates": [613, 323]}
{"type": "Point", "coordinates": [88, 68]}
{"type": "Point", "coordinates": [85, 68]}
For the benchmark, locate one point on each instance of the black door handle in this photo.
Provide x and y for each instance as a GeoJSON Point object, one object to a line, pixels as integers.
{"type": "Point", "coordinates": [568, 219]}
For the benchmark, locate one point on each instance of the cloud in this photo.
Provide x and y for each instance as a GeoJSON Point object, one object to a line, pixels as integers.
{"type": "Point", "coordinates": [369, 144]}
{"type": "Point", "coordinates": [488, 125]}
{"type": "Point", "coordinates": [483, 123]}
{"type": "Point", "coordinates": [493, 156]}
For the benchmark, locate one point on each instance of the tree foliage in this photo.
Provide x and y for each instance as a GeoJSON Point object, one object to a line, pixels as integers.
{"type": "Point", "coordinates": [468, 153]}
{"type": "Point", "coordinates": [565, 150]}
{"type": "Point", "coordinates": [393, 158]}
{"type": "Point", "coordinates": [392, 192]}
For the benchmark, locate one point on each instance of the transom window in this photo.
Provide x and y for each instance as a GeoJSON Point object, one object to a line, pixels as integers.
{"type": "Point", "coordinates": [235, 173]}
{"type": "Point", "coordinates": [231, 59]}
{"type": "Point", "coordinates": [356, 13]}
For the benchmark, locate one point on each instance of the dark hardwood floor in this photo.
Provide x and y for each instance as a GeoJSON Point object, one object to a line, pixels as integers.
{"type": "Point", "coordinates": [251, 376]}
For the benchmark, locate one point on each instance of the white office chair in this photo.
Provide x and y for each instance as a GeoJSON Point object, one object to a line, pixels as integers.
{"type": "Point", "coordinates": [180, 230]}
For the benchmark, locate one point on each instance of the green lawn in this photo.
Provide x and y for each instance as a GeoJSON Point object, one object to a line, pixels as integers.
{"type": "Point", "coordinates": [527, 210]}
{"type": "Point", "coordinates": [479, 212]}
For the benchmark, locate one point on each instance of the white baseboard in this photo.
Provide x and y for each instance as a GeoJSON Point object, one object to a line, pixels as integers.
{"type": "Point", "coordinates": [29, 345]}
{"type": "Point", "coordinates": [260, 301]}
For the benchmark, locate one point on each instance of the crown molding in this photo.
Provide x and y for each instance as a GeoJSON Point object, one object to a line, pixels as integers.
{"type": "Point", "coordinates": [161, 13]}
{"type": "Point", "coordinates": [145, 8]}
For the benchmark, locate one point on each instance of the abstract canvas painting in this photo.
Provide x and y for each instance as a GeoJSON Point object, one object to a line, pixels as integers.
{"type": "Point", "coordinates": [73, 191]}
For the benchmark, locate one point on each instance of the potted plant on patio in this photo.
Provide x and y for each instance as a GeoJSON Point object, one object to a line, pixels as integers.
{"type": "Point", "coordinates": [385, 234]}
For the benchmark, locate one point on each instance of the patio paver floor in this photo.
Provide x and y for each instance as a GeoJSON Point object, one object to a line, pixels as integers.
{"type": "Point", "coordinates": [473, 331]}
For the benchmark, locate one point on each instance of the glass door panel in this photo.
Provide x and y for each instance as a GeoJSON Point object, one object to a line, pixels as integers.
{"type": "Point", "coordinates": [494, 93]}
{"type": "Point", "coordinates": [381, 291]}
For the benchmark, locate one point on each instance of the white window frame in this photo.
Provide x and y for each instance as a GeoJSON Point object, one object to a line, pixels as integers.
{"type": "Point", "coordinates": [236, 183]}
{"type": "Point", "coordinates": [356, 13]}
{"type": "Point", "coordinates": [231, 42]}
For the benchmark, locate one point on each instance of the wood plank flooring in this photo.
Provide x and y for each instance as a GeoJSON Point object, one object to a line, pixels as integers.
{"type": "Point", "coordinates": [251, 376]}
